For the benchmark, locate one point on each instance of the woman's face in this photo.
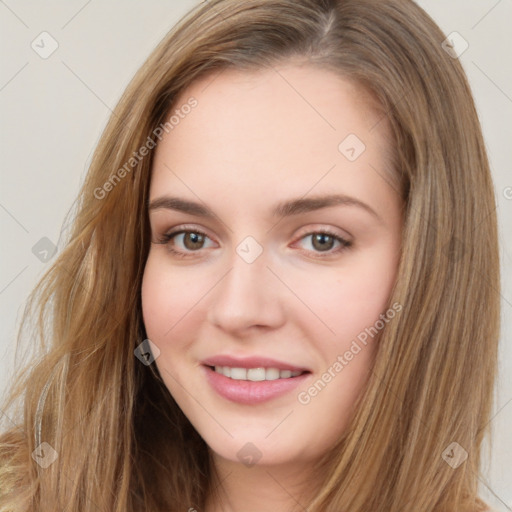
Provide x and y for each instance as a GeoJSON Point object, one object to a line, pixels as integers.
{"type": "Point", "coordinates": [276, 237]}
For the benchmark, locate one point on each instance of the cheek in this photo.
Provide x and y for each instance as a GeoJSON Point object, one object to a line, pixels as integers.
{"type": "Point", "coordinates": [170, 312]}
{"type": "Point", "coordinates": [168, 295]}
{"type": "Point", "coordinates": [168, 299]}
{"type": "Point", "coordinates": [157, 300]}
{"type": "Point", "coordinates": [351, 307]}
{"type": "Point", "coordinates": [350, 299]}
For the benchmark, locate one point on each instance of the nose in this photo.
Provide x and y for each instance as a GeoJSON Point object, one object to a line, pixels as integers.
{"type": "Point", "coordinates": [249, 296]}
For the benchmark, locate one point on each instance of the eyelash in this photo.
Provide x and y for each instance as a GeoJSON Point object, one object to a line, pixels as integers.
{"type": "Point", "coordinates": [166, 238]}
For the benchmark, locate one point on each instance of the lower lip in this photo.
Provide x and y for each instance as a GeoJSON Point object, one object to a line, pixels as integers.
{"type": "Point", "coordinates": [251, 392]}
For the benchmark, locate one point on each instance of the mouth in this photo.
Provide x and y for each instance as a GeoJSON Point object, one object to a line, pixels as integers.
{"type": "Point", "coordinates": [252, 386]}
{"type": "Point", "coordinates": [257, 374]}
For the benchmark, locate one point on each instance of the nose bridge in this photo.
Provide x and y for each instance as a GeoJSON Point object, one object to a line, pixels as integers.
{"type": "Point", "coordinates": [246, 295]}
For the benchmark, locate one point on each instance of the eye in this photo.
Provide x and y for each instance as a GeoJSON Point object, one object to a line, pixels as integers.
{"type": "Point", "coordinates": [325, 243]}
{"type": "Point", "coordinates": [184, 242]}
{"type": "Point", "coordinates": [187, 241]}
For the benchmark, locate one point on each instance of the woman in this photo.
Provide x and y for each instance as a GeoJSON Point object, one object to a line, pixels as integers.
{"type": "Point", "coordinates": [272, 297]}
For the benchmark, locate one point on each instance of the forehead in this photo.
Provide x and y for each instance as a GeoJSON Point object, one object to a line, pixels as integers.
{"type": "Point", "coordinates": [261, 130]}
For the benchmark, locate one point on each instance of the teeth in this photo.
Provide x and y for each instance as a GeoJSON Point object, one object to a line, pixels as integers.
{"type": "Point", "coordinates": [238, 373]}
{"type": "Point", "coordinates": [272, 374]}
{"type": "Point", "coordinates": [255, 374]}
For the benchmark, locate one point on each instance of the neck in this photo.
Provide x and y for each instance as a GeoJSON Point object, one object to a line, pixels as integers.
{"type": "Point", "coordinates": [259, 488]}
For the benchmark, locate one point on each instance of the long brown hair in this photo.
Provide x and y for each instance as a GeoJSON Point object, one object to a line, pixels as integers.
{"type": "Point", "coordinates": [122, 443]}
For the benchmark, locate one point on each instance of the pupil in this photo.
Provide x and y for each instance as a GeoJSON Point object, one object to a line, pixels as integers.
{"type": "Point", "coordinates": [196, 240]}
{"type": "Point", "coordinates": [321, 239]}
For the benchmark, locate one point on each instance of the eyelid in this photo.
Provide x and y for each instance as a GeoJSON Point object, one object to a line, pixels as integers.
{"type": "Point", "coordinates": [322, 228]}
{"type": "Point", "coordinates": [188, 228]}
{"type": "Point", "coordinates": [171, 234]}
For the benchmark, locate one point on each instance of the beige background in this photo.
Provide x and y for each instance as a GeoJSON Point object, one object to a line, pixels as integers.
{"type": "Point", "coordinates": [53, 111]}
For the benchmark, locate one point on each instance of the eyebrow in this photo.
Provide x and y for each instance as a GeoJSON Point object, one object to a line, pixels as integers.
{"type": "Point", "coordinates": [283, 209]}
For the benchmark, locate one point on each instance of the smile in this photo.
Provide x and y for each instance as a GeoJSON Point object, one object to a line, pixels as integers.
{"type": "Point", "coordinates": [255, 374]}
{"type": "Point", "coordinates": [251, 386]}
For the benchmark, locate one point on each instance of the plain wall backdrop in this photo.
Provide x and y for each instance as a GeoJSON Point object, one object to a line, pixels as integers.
{"type": "Point", "coordinates": [55, 106]}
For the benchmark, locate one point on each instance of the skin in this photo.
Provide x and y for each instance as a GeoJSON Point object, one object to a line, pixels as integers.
{"type": "Point", "coordinates": [251, 142]}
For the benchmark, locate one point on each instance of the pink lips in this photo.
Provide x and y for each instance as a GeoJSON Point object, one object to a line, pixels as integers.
{"type": "Point", "coordinates": [250, 392]}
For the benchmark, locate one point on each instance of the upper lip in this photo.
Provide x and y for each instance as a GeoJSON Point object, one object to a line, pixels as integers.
{"type": "Point", "coordinates": [251, 362]}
